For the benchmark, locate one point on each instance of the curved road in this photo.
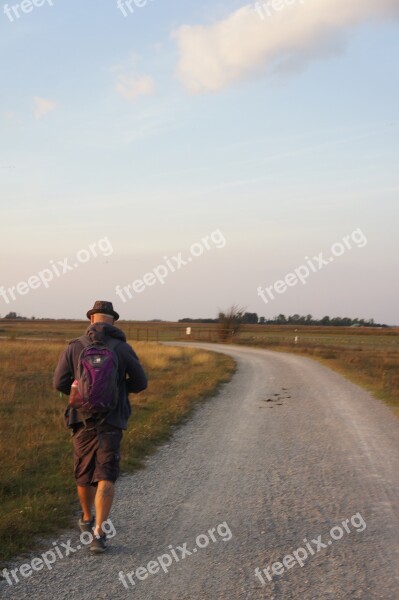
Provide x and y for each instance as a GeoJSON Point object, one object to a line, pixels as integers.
{"type": "Point", "coordinates": [290, 464]}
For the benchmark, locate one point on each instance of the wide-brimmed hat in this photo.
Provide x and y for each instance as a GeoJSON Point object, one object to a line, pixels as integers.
{"type": "Point", "coordinates": [103, 307]}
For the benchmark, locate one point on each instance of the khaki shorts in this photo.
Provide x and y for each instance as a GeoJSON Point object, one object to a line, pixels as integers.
{"type": "Point", "coordinates": [96, 453]}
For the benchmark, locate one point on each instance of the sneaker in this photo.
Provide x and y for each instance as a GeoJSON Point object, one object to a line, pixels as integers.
{"type": "Point", "coordinates": [98, 545]}
{"type": "Point", "coordinates": [86, 525]}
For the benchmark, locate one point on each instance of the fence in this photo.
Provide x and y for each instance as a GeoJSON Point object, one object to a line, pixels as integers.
{"type": "Point", "coordinates": [171, 334]}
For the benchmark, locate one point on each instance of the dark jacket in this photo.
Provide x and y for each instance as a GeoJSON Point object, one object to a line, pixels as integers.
{"type": "Point", "coordinates": [131, 375]}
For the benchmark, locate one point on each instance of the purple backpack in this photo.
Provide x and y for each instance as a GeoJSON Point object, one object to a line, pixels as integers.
{"type": "Point", "coordinates": [97, 376]}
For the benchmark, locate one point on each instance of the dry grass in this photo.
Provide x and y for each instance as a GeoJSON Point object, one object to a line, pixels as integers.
{"type": "Point", "coordinates": [370, 364]}
{"type": "Point", "coordinates": [36, 488]}
{"type": "Point", "coordinates": [37, 493]}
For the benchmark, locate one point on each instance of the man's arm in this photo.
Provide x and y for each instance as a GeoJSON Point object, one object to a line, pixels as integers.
{"type": "Point", "coordinates": [137, 379]}
{"type": "Point", "coordinates": [64, 375]}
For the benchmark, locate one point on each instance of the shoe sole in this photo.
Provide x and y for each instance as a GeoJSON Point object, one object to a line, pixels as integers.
{"type": "Point", "coordinates": [98, 550]}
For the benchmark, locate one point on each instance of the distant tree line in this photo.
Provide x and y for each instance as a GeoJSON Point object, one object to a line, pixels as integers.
{"type": "Point", "coordinates": [247, 318]}
{"type": "Point", "coordinates": [325, 321]}
{"type": "Point", "coordinates": [236, 317]}
{"type": "Point", "coordinates": [188, 320]}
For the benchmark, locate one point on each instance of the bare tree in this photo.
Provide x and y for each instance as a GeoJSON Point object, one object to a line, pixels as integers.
{"type": "Point", "coordinates": [229, 322]}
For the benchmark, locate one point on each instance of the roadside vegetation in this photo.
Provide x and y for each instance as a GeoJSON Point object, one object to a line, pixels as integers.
{"type": "Point", "coordinates": [37, 491]}
{"type": "Point", "coordinates": [368, 357]}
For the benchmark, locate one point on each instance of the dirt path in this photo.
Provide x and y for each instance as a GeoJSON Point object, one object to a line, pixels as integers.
{"type": "Point", "coordinates": [287, 451]}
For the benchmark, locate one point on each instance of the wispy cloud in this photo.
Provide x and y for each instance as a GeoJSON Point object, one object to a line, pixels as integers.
{"type": "Point", "coordinates": [131, 87]}
{"type": "Point", "coordinates": [215, 56]}
{"type": "Point", "coordinates": [43, 106]}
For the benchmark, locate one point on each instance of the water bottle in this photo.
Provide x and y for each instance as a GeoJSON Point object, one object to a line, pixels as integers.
{"type": "Point", "coordinates": [75, 401]}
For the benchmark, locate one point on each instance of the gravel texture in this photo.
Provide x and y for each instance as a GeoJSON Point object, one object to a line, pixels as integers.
{"type": "Point", "coordinates": [287, 451]}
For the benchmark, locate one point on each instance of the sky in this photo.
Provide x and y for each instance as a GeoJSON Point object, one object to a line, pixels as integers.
{"type": "Point", "coordinates": [176, 158]}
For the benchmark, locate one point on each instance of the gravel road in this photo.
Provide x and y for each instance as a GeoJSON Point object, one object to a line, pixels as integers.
{"type": "Point", "coordinates": [288, 451]}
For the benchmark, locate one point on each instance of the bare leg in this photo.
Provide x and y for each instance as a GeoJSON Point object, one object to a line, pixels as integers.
{"type": "Point", "coordinates": [104, 498]}
{"type": "Point", "coordinates": [86, 496]}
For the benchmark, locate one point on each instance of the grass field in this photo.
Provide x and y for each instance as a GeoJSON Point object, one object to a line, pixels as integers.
{"type": "Point", "coordinates": [37, 493]}
{"type": "Point", "coordinates": [36, 487]}
{"type": "Point", "coordinates": [367, 356]}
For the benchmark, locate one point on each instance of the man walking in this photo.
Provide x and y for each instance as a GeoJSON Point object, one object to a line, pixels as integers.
{"type": "Point", "coordinates": [97, 435]}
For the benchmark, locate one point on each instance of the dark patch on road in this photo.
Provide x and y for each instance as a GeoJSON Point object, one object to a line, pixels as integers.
{"type": "Point", "coordinates": [278, 397]}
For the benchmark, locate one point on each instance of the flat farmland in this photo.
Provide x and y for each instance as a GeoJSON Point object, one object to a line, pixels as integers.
{"type": "Point", "coordinates": [37, 492]}
{"type": "Point", "coordinates": [368, 356]}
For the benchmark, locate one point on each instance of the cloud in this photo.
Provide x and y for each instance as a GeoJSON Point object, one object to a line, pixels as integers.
{"type": "Point", "coordinates": [278, 34]}
{"type": "Point", "coordinates": [43, 106]}
{"type": "Point", "coordinates": [131, 87]}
